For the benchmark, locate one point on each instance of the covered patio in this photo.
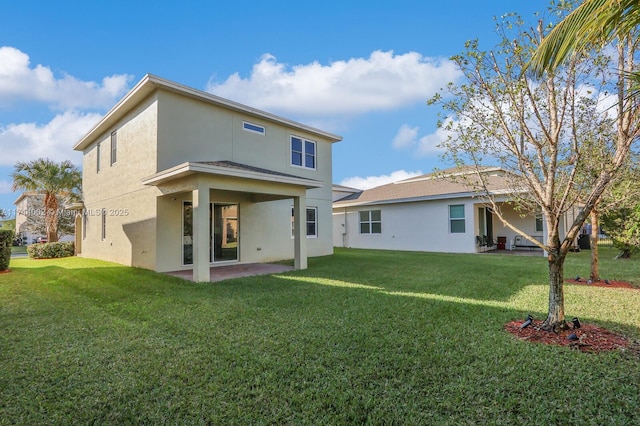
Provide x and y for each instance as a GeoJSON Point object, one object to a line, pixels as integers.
{"type": "Point", "coordinates": [220, 273]}
{"type": "Point", "coordinates": [208, 182]}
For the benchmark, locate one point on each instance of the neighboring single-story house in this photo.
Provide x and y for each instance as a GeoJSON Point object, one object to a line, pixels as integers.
{"type": "Point", "coordinates": [431, 212]}
{"type": "Point", "coordinates": [176, 179]}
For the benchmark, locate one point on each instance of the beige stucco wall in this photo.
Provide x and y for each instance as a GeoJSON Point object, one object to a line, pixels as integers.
{"type": "Point", "coordinates": [189, 130]}
{"type": "Point", "coordinates": [130, 207]}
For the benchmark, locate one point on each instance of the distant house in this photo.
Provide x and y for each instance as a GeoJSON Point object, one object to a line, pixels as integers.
{"type": "Point", "coordinates": [178, 179]}
{"type": "Point", "coordinates": [432, 212]}
{"type": "Point", "coordinates": [28, 206]}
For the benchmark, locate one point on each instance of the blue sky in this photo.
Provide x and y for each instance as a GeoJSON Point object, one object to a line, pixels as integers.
{"type": "Point", "coordinates": [363, 70]}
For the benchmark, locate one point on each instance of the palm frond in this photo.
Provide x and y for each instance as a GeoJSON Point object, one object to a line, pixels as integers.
{"type": "Point", "coordinates": [594, 21]}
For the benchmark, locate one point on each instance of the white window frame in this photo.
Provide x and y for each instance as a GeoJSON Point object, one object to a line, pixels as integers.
{"type": "Point", "coordinates": [462, 219]}
{"type": "Point", "coordinates": [303, 153]}
{"type": "Point", "coordinates": [254, 128]}
{"type": "Point", "coordinates": [369, 221]}
{"type": "Point", "coordinates": [293, 230]}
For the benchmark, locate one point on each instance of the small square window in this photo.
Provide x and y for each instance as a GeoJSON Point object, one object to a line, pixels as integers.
{"type": "Point", "coordinates": [370, 222]}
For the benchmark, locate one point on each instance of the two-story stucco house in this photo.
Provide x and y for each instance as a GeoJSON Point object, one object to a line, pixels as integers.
{"type": "Point", "coordinates": [176, 179]}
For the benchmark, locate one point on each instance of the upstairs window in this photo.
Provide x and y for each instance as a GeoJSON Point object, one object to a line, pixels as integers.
{"type": "Point", "coordinates": [456, 219]}
{"type": "Point", "coordinates": [370, 222]}
{"type": "Point", "coordinates": [254, 128]}
{"type": "Point", "coordinates": [303, 153]}
{"type": "Point", "coordinates": [114, 146]}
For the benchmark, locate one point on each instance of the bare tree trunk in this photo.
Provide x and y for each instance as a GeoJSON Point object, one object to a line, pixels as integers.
{"type": "Point", "coordinates": [593, 242]}
{"type": "Point", "coordinates": [555, 319]}
{"type": "Point", "coordinates": [51, 217]}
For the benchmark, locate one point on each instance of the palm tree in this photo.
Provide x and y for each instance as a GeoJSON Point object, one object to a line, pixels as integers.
{"type": "Point", "coordinates": [54, 181]}
{"type": "Point", "coordinates": [594, 21]}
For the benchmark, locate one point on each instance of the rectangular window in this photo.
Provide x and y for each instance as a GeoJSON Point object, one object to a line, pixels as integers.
{"type": "Point", "coordinates": [98, 157]}
{"type": "Point", "coordinates": [312, 222]}
{"type": "Point", "coordinates": [303, 153]}
{"type": "Point", "coordinates": [104, 223]}
{"type": "Point", "coordinates": [114, 146]}
{"type": "Point", "coordinates": [254, 128]}
{"type": "Point", "coordinates": [456, 219]}
{"type": "Point", "coordinates": [539, 223]}
{"type": "Point", "coordinates": [370, 222]}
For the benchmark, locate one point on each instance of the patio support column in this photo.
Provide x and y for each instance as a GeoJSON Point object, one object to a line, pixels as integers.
{"type": "Point", "coordinates": [201, 225]}
{"type": "Point", "coordinates": [299, 225]}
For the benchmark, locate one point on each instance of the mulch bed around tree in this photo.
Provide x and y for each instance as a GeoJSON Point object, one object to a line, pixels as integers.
{"type": "Point", "coordinates": [6, 271]}
{"type": "Point", "coordinates": [602, 283]}
{"type": "Point", "coordinates": [590, 338]}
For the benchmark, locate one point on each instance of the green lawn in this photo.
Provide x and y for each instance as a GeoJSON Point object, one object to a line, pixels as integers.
{"type": "Point", "coordinates": [360, 337]}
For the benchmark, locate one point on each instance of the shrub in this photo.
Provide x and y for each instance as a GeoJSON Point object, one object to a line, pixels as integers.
{"type": "Point", "coordinates": [50, 250]}
{"type": "Point", "coordinates": [6, 238]}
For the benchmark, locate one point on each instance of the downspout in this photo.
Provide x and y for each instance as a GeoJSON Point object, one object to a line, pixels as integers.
{"type": "Point", "coordinates": [345, 233]}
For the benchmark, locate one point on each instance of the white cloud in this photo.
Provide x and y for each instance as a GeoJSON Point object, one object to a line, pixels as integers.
{"type": "Point", "coordinates": [406, 137]}
{"type": "Point", "coordinates": [5, 187]}
{"type": "Point", "coordinates": [429, 144]}
{"type": "Point", "coordinates": [373, 181]}
{"type": "Point", "coordinates": [55, 140]}
{"type": "Point", "coordinates": [21, 82]}
{"type": "Point", "coordinates": [383, 81]}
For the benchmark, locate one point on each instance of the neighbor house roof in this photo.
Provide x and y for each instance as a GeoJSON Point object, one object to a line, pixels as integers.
{"type": "Point", "coordinates": [450, 183]}
{"type": "Point", "coordinates": [151, 83]}
{"type": "Point", "coordinates": [24, 195]}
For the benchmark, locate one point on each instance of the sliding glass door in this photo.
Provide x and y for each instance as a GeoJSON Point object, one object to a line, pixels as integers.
{"type": "Point", "coordinates": [225, 232]}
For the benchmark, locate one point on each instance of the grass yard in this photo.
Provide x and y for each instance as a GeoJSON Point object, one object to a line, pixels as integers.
{"type": "Point", "coordinates": [372, 337]}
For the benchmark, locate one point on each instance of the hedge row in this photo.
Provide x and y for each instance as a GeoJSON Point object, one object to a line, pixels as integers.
{"type": "Point", "coordinates": [50, 250]}
{"type": "Point", "coordinates": [6, 239]}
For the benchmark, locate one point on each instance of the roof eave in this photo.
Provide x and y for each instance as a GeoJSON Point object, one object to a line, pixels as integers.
{"type": "Point", "coordinates": [150, 83]}
{"type": "Point", "coordinates": [504, 197]}
{"type": "Point", "coordinates": [189, 168]}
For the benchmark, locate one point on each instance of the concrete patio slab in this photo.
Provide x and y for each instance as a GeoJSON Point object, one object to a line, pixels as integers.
{"type": "Point", "coordinates": [219, 273]}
